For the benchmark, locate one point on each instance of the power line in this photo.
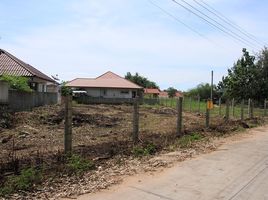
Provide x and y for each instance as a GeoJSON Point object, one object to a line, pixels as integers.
{"type": "Point", "coordinates": [226, 20]}
{"type": "Point", "coordinates": [224, 27]}
{"type": "Point", "coordinates": [210, 23]}
{"type": "Point", "coordinates": [181, 22]}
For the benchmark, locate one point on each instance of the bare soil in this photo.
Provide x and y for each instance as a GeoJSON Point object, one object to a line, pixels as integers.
{"type": "Point", "coordinates": [101, 133]}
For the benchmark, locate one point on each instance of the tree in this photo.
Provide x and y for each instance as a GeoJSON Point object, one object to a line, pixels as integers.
{"type": "Point", "coordinates": [243, 80]}
{"type": "Point", "coordinates": [141, 80]}
{"type": "Point", "coordinates": [203, 90]}
{"type": "Point", "coordinates": [17, 82]}
{"type": "Point", "coordinates": [171, 92]}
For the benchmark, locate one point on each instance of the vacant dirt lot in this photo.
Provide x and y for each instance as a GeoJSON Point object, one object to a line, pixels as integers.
{"type": "Point", "coordinates": [101, 133]}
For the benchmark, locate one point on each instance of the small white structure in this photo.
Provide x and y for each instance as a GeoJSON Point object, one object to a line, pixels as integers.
{"type": "Point", "coordinates": [108, 85]}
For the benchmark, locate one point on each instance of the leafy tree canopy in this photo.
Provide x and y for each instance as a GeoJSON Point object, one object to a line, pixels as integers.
{"type": "Point", "coordinates": [17, 82]}
{"type": "Point", "coordinates": [247, 78]}
{"type": "Point", "coordinates": [141, 80]}
{"type": "Point", "coordinates": [203, 90]}
{"type": "Point", "coordinates": [171, 92]}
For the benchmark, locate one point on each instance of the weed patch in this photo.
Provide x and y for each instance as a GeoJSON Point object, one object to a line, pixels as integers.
{"type": "Point", "coordinates": [149, 149]}
{"type": "Point", "coordinates": [77, 165]}
{"type": "Point", "coordinates": [23, 182]}
{"type": "Point", "coordinates": [187, 140]}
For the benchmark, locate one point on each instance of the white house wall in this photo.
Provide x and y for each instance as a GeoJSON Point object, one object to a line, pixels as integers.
{"type": "Point", "coordinates": [109, 93]}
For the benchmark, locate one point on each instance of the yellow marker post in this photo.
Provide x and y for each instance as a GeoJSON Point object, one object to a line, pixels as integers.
{"type": "Point", "coordinates": [209, 104]}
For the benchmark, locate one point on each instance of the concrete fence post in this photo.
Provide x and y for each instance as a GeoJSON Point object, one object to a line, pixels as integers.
{"type": "Point", "coordinates": [190, 104]}
{"type": "Point", "coordinates": [249, 107]}
{"type": "Point", "coordinates": [264, 108]}
{"type": "Point", "coordinates": [198, 104]}
{"type": "Point", "coordinates": [227, 110]}
{"type": "Point", "coordinates": [179, 116]}
{"type": "Point", "coordinates": [135, 134]}
{"type": "Point", "coordinates": [242, 109]}
{"type": "Point", "coordinates": [220, 106]}
{"type": "Point", "coordinates": [68, 125]}
{"type": "Point", "coordinates": [233, 107]}
{"type": "Point", "coordinates": [207, 113]}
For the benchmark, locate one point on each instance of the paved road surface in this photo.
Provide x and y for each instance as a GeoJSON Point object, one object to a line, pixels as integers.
{"type": "Point", "coordinates": [236, 171]}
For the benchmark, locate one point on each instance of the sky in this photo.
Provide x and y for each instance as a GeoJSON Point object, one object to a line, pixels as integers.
{"type": "Point", "coordinates": [86, 38]}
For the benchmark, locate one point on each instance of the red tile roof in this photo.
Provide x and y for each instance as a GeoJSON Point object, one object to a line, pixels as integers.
{"type": "Point", "coordinates": [11, 65]}
{"type": "Point", "coordinates": [151, 91]}
{"type": "Point", "coordinates": [107, 80]}
{"type": "Point", "coordinates": [163, 94]}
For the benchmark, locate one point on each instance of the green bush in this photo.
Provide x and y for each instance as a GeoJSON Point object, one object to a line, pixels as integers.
{"type": "Point", "coordinates": [25, 181]}
{"type": "Point", "coordinates": [149, 149]}
{"type": "Point", "coordinates": [17, 82]}
{"type": "Point", "coordinates": [187, 140]}
{"type": "Point", "coordinates": [76, 164]}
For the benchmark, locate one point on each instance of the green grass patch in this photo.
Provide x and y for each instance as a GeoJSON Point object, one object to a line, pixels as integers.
{"type": "Point", "coordinates": [187, 140]}
{"type": "Point", "coordinates": [23, 182]}
{"type": "Point", "coordinates": [139, 151]}
{"type": "Point", "coordinates": [77, 165]}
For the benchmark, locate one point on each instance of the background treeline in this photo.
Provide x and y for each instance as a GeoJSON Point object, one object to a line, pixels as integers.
{"type": "Point", "coordinates": [248, 78]}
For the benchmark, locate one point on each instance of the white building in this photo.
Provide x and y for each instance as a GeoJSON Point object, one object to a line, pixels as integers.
{"type": "Point", "coordinates": [108, 85]}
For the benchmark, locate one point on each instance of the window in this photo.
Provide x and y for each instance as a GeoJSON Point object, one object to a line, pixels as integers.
{"type": "Point", "coordinates": [124, 92]}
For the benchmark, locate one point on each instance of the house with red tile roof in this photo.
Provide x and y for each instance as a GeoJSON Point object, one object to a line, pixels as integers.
{"type": "Point", "coordinates": [151, 92]}
{"type": "Point", "coordinates": [10, 65]}
{"type": "Point", "coordinates": [108, 85]}
{"type": "Point", "coordinates": [164, 94]}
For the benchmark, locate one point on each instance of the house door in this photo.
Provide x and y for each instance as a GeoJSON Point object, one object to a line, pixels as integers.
{"type": "Point", "coordinates": [134, 94]}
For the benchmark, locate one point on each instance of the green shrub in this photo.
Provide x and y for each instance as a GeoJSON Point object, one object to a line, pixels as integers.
{"type": "Point", "coordinates": [144, 151]}
{"type": "Point", "coordinates": [25, 181]}
{"type": "Point", "coordinates": [187, 140]}
{"type": "Point", "coordinates": [17, 82]}
{"type": "Point", "coordinates": [76, 164]}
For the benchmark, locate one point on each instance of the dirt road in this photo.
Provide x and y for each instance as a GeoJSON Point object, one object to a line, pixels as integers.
{"type": "Point", "coordinates": [237, 170]}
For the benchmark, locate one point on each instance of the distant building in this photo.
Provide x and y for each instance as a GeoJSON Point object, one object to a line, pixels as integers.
{"type": "Point", "coordinates": [108, 85]}
{"type": "Point", "coordinates": [38, 81]}
{"type": "Point", "coordinates": [151, 92]}
{"type": "Point", "coordinates": [164, 94]}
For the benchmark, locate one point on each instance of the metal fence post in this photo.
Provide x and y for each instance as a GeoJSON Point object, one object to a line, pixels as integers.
{"type": "Point", "coordinates": [242, 109]}
{"type": "Point", "coordinates": [179, 116]}
{"type": "Point", "coordinates": [135, 134]}
{"type": "Point", "coordinates": [68, 125]}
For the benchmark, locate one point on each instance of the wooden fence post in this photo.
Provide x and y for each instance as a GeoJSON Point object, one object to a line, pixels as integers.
{"type": "Point", "coordinates": [242, 109]}
{"type": "Point", "coordinates": [227, 110]}
{"type": "Point", "coordinates": [68, 125]}
{"type": "Point", "coordinates": [220, 106]}
{"type": "Point", "coordinates": [135, 134]}
{"type": "Point", "coordinates": [179, 116]}
{"type": "Point", "coordinates": [233, 107]}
